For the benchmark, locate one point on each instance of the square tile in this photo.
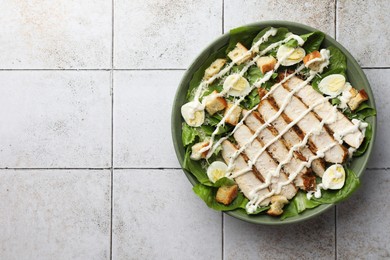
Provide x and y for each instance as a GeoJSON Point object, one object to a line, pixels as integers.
{"type": "Point", "coordinates": [318, 14]}
{"type": "Point", "coordinates": [142, 118]}
{"type": "Point", "coordinates": [379, 81]}
{"type": "Point", "coordinates": [56, 34]}
{"type": "Point", "coordinates": [363, 220]}
{"type": "Point", "coordinates": [163, 34]}
{"type": "Point", "coordinates": [54, 214]}
{"type": "Point", "coordinates": [157, 216]}
{"type": "Point", "coordinates": [314, 239]}
{"type": "Point", "coordinates": [55, 119]}
{"type": "Point", "coordinates": [363, 28]}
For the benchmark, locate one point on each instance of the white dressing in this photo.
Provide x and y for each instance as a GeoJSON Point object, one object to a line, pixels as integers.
{"type": "Point", "coordinates": [237, 86]}
{"type": "Point", "coordinates": [318, 64]}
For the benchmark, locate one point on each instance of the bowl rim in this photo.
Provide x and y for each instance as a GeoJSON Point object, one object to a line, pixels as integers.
{"type": "Point", "coordinates": [275, 23]}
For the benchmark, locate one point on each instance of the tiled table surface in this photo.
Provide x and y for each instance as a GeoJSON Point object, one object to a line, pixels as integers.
{"type": "Point", "coordinates": [88, 170]}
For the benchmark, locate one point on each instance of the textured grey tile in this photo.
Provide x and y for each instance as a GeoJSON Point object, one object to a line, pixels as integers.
{"type": "Point", "coordinates": [55, 119]}
{"type": "Point", "coordinates": [54, 214]}
{"type": "Point", "coordinates": [314, 239]}
{"type": "Point", "coordinates": [55, 34]}
{"type": "Point", "coordinates": [157, 216]}
{"type": "Point", "coordinates": [142, 118]}
{"type": "Point", "coordinates": [163, 34]}
{"type": "Point", "coordinates": [363, 221]}
{"type": "Point", "coordinates": [363, 28]}
{"type": "Point", "coordinates": [318, 14]}
{"type": "Point", "coordinates": [379, 81]}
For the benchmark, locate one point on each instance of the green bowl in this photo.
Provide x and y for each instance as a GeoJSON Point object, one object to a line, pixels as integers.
{"type": "Point", "coordinates": [354, 73]}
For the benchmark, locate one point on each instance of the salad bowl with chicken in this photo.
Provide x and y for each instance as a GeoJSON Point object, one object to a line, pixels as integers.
{"type": "Point", "coordinates": [274, 123]}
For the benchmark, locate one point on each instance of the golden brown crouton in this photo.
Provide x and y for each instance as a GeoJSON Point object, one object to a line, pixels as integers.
{"type": "Point", "coordinates": [353, 92]}
{"type": "Point", "coordinates": [214, 68]}
{"type": "Point", "coordinates": [196, 154]}
{"type": "Point", "coordinates": [311, 56]}
{"type": "Point", "coordinates": [234, 115]}
{"type": "Point", "coordinates": [226, 194]}
{"type": "Point", "coordinates": [266, 63]}
{"type": "Point", "coordinates": [213, 103]}
{"type": "Point", "coordinates": [357, 100]}
{"type": "Point", "coordinates": [277, 204]}
{"type": "Point", "coordinates": [239, 52]}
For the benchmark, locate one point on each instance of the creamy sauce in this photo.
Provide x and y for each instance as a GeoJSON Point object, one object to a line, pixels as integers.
{"type": "Point", "coordinates": [210, 148]}
{"type": "Point", "coordinates": [320, 64]}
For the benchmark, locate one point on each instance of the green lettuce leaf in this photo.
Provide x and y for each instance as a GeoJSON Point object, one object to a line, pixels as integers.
{"type": "Point", "coordinates": [244, 35]}
{"type": "Point", "coordinates": [367, 139]}
{"type": "Point", "coordinates": [188, 135]}
{"type": "Point", "coordinates": [313, 41]}
{"type": "Point", "coordinates": [207, 194]}
{"type": "Point", "coordinates": [251, 100]}
{"type": "Point", "coordinates": [297, 205]}
{"type": "Point", "coordinates": [337, 60]}
{"type": "Point", "coordinates": [196, 169]}
{"type": "Point", "coordinates": [280, 35]}
{"type": "Point", "coordinates": [300, 202]}
{"type": "Point", "coordinates": [352, 182]}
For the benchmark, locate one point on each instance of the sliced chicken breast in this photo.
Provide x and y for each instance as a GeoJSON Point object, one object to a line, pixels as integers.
{"type": "Point", "coordinates": [291, 138]}
{"type": "Point", "coordinates": [265, 163]}
{"type": "Point", "coordinates": [308, 96]}
{"type": "Point", "coordinates": [248, 181]}
{"type": "Point", "coordinates": [305, 180]}
{"type": "Point", "coordinates": [295, 108]}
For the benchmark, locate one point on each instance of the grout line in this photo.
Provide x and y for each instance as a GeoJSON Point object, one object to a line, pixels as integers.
{"type": "Point", "coordinates": [112, 126]}
{"type": "Point", "coordinates": [152, 69]}
{"type": "Point", "coordinates": [335, 19]}
{"type": "Point", "coordinates": [141, 69]}
{"type": "Point", "coordinates": [223, 234]}
{"type": "Point", "coordinates": [378, 169]}
{"type": "Point", "coordinates": [373, 67]}
{"type": "Point", "coordinates": [223, 16]}
{"type": "Point", "coordinates": [59, 69]}
{"type": "Point", "coordinates": [147, 168]}
{"type": "Point", "coordinates": [335, 232]}
{"type": "Point", "coordinates": [54, 168]}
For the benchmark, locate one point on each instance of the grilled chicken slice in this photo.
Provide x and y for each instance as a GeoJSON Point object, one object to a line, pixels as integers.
{"type": "Point", "coordinates": [248, 181]}
{"type": "Point", "coordinates": [305, 180]}
{"type": "Point", "coordinates": [293, 109]}
{"type": "Point", "coordinates": [265, 163]}
{"type": "Point", "coordinates": [291, 138]}
{"type": "Point", "coordinates": [309, 96]}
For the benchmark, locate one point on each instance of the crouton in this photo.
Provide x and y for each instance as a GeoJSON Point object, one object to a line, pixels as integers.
{"type": "Point", "coordinates": [277, 204]}
{"type": "Point", "coordinates": [266, 63]}
{"type": "Point", "coordinates": [234, 115]}
{"type": "Point", "coordinates": [213, 103]}
{"type": "Point", "coordinates": [226, 194]}
{"type": "Point", "coordinates": [214, 68]}
{"type": "Point", "coordinates": [353, 92]}
{"type": "Point", "coordinates": [239, 54]}
{"type": "Point", "coordinates": [196, 148]}
{"type": "Point", "coordinates": [311, 56]}
{"type": "Point", "coordinates": [357, 100]}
